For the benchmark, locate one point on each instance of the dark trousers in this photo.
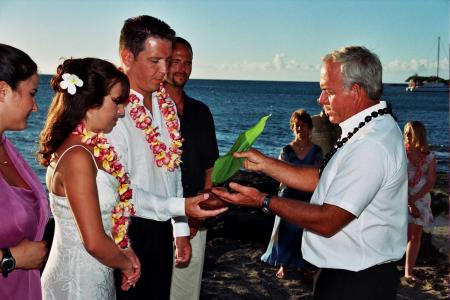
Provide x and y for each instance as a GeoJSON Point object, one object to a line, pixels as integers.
{"type": "Point", "coordinates": [377, 282]}
{"type": "Point", "coordinates": [153, 243]}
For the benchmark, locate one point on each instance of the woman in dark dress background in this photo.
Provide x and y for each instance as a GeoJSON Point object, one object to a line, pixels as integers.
{"type": "Point", "coordinates": [284, 248]}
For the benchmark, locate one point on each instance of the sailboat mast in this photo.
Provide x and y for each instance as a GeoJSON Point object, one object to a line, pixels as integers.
{"type": "Point", "coordinates": [439, 47]}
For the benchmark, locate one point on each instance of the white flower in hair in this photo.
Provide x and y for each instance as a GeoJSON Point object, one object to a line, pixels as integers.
{"type": "Point", "coordinates": [70, 81]}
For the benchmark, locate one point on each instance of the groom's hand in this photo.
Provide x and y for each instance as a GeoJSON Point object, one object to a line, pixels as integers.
{"type": "Point", "coordinates": [183, 250]}
{"type": "Point", "coordinates": [193, 207]}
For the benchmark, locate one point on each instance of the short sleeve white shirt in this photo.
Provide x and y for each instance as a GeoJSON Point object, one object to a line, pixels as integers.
{"type": "Point", "coordinates": [368, 178]}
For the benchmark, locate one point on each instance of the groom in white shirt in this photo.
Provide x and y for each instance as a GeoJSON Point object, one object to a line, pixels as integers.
{"type": "Point", "coordinates": [148, 142]}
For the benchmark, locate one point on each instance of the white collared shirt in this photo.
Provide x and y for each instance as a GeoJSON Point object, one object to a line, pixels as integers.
{"type": "Point", "coordinates": [368, 178]}
{"type": "Point", "coordinates": [157, 193]}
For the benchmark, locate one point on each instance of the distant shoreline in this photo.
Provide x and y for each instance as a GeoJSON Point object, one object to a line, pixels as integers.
{"type": "Point", "coordinates": [266, 81]}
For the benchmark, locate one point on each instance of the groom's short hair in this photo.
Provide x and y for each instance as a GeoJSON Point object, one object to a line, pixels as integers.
{"type": "Point", "coordinates": [137, 30]}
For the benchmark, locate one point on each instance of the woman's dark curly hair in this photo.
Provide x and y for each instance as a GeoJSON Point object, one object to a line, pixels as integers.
{"type": "Point", "coordinates": [67, 111]}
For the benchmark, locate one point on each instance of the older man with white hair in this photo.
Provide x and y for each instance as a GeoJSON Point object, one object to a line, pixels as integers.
{"type": "Point", "coordinates": [356, 223]}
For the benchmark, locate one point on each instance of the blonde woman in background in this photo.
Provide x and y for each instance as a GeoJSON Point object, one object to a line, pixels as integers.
{"type": "Point", "coordinates": [421, 179]}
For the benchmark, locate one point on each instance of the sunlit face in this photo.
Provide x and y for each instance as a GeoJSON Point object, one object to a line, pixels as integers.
{"type": "Point", "coordinates": [147, 70]}
{"type": "Point", "coordinates": [337, 101]}
{"type": "Point", "coordinates": [180, 66]}
{"type": "Point", "coordinates": [105, 117]}
{"type": "Point", "coordinates": [408, 136]}
{"type": "Point", "coordinates": [301, 129]}
{"type": "Point", "coordinates": [20, 103]}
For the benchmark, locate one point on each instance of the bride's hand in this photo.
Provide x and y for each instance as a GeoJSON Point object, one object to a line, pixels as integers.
{"type": "Point", "coordinates": [135, 261]}
{"type": "Point", "coordinates": [125, 286]}
{"type": "Point", "coordinates": [131, 275]}
{"type": "Point", "coordinates": [127, 279]}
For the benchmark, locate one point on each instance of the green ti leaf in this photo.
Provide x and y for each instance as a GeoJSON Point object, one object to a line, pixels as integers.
{"type": "Point", "coordinates": [226, 165]}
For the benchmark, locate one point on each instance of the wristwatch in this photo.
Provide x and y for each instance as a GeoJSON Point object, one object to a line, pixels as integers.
{"type": "Point", "coordinates": [265, 205]}
{"type": "Point", "coordinates": [8, 263]}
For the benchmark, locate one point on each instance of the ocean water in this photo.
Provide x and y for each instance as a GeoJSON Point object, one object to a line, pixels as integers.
{"type": "Point", "coordinates": [238, 105]}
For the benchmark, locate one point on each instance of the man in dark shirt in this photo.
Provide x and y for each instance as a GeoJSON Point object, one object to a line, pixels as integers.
{"type": "Point", "coordinates": [199, 154]}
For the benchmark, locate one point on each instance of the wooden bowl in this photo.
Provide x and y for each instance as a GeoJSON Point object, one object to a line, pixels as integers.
{"type": "Point", "coordinates": [213, 202]}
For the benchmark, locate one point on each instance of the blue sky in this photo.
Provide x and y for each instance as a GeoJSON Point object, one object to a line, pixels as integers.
{"type": "Point", "coordinates": [252, 40]}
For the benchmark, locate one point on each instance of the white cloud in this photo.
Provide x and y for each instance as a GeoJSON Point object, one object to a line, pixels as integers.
{"type": "Point", "coordinates": [420, 66]}
{"type": "Point", "coordinates": [282, 67]}
{"type": "Point", "coordinates": [279, 62]}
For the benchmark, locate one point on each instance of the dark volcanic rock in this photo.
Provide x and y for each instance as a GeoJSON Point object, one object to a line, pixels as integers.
{"type": "Point", "coordinates": [238, 238]}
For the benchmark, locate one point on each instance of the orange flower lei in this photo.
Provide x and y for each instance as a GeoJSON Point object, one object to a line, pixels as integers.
{"type": "Point", "coordinates": [110, 161]}
{"type": "Point", "coordinates": [169, 158]}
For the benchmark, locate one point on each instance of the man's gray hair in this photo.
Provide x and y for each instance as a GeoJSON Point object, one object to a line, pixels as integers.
{"type": "Point", "coordinates": [360, 66]}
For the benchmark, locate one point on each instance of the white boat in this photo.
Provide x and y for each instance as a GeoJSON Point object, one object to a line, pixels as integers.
{"type": "Point", "coordinates": [428, 84]}
{"type": "Point", "coordinates": [427, 87]}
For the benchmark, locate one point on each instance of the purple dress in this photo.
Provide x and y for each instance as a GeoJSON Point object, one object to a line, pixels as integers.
{"type": "Point", "coordinates": [23, 214]}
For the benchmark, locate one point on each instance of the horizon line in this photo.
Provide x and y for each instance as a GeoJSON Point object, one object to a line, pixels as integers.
{"type": "Point", "coordinates": [259, 80]}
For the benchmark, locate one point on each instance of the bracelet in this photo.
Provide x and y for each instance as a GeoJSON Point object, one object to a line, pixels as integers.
{"type": "Point", "coordinates": [265, 205]}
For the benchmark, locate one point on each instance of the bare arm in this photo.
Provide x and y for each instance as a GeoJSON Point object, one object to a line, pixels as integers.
{"type": "Point", "coordinates": [77, 176]}
{"type": "Point", "coordinates": [428, 186]}
{"type": "Point", "coordinates": [29, 254]}
{"type": "Point", "coordinates": [325, 219]}
{"type": "Point", "coordinates": [299, 178]}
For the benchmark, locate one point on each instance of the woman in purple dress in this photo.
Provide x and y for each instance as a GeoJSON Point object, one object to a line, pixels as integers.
{"type": "Point", "coordinates": [23, 202]}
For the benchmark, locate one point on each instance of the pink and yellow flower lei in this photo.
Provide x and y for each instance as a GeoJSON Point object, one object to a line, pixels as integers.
{"type": "Point", "coordinates": [110, 161]}
{"type": "Point", "coordinates": [171, 157]}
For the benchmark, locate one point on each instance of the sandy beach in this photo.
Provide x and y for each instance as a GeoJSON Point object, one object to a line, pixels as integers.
{"type": "Point", "coordinates": [238, 238]}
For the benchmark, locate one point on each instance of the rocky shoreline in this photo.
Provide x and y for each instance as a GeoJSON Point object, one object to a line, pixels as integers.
{"type": "Point", "coordinates": [238, 238]}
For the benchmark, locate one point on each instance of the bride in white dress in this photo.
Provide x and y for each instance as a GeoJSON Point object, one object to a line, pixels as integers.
{"type": "Point", "coordinates": [82, 194]}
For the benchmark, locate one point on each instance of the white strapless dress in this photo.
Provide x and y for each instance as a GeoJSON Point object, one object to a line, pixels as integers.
{"type": "Point", "coordinates": [71, 272]}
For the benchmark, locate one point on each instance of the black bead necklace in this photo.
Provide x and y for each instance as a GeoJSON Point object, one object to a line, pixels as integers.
{"type": "Point", "coordinates": [340, 143]}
